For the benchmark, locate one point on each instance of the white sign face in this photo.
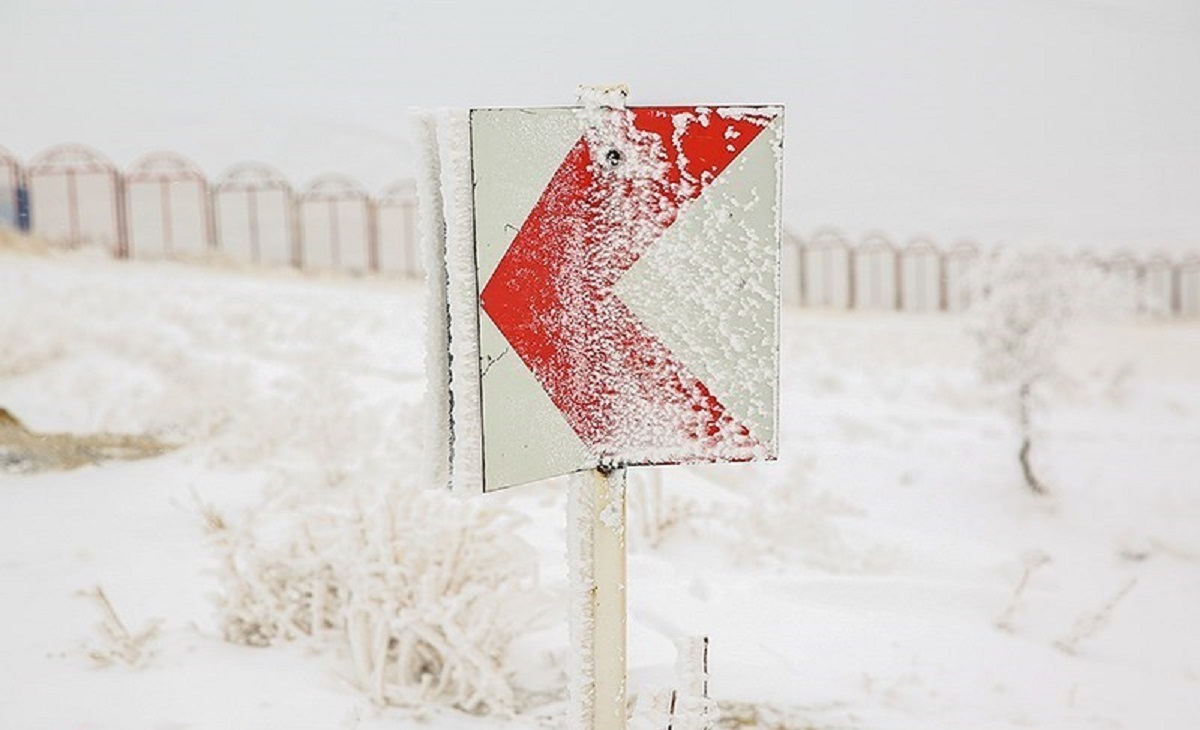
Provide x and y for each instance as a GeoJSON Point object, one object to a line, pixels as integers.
{"type": "Point", "coordinates": [628, 278]}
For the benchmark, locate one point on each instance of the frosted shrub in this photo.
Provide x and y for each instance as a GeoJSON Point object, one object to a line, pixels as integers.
{"type": "Point", "coordinates": [421, 593]}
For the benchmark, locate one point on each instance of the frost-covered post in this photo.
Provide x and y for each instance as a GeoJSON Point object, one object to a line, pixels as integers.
{"type": "Point", "coordinates": [596, 554]}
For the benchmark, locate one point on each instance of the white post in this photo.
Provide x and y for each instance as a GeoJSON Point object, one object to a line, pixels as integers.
{"type": "Point", "coordinates": [596, 550]}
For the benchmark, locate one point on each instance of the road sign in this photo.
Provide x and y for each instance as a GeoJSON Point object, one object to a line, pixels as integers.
{"type": "Point", "coordinates": [627, 267]}
{"type": "Point", "coordinates": [604, 293]}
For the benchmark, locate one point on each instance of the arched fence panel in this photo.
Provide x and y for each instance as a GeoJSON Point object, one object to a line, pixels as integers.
{"type": "Point", "coordinates": [167, 203]}
{"type": "Point", "coordinates": [76, 199]}
{"type": "Point", "coordinates": [10, 191]}
{"type": "Point", "coordinates": [1188, 292]}
{"type": "Point", "coordinates": [961, 276]}
{"type": "Point", "coordinates": [875, 274]}
{"type": "Point", "coordinates": [921, 278]}
{"type": "Point", "coordinates": [254, 216]}
{"type": "Point", "coordinates": [825, 271]}
{"type": "Point", "coordinates": [1158, 286]}
{"type": "Point", "coordinates": [791, 248]}
{"type": "Point", "coordinates": [1128, 275]}
{"type": "Point", "coordinates": [337, 228]}
{"type": "Point", "coordinates": [396, 227]}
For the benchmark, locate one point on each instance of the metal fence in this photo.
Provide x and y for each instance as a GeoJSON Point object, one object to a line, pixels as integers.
{"type": "Point", "coordinates": [163, 206]}
{"type": "Point", "coordinates": [829, 270]}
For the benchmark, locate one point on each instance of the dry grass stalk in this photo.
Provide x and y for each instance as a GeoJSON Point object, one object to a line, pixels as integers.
{"type": "Point", "coordinates": [120, 646]}
{"type": "Point", "coordinates": [1032, 564]}
{"type": "Point", "coordinates": [1091, 624]}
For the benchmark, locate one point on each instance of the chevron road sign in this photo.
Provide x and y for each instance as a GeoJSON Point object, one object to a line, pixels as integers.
{"type": "Point", "coordinates": [627, 266]}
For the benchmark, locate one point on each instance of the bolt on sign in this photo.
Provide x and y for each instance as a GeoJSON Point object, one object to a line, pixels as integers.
{"type": "Point", "coordinates": [623, 267]}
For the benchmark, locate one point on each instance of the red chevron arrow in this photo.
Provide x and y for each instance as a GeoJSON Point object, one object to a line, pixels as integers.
{"type": "Point", "coordinates": [552, 295]}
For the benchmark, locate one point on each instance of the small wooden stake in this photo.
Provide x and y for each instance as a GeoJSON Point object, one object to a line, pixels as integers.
{"type": "Point", "coordinates": [596, 539]}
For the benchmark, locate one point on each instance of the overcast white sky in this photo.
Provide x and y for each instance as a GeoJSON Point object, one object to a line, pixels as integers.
{"type": "Point", "coordinates": [993, 119]}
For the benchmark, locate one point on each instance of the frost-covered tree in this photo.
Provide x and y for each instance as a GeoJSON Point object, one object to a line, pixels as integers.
{"type": "Point", "coordinates": [1029, 298]}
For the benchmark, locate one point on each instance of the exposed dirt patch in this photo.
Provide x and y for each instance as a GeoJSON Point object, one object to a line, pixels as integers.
{"type": "Point", "coordinates": [25, 451]}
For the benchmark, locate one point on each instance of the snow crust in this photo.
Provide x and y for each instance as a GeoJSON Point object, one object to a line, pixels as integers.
{"type": "Point", "coordinates": [593, 97]}
{"type": "Point", "coordinates": [431, 230]}
{"type": "Point", "coordinates": [581, 582]}
{"type": "Point", "coordinates": [613, 514]}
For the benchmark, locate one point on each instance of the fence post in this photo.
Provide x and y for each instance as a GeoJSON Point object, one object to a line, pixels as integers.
{"type": "Point", "coordinates": [372, 235]}
{"type": "Point", "coordinates": [295, 230]}
{"type": "Point", "coordinates": [943, 284]}
{"type": "Point", "coordinates": [1176, 279]}
{"type": "Point", "coordinates": [214, 208]}
{"type": "Point", "coordinates": [252, 223]}
{"type": "Point", "coordinates": [121, 213]}
{"type": "Point", "coordinates": [851, 277]}
{"type": "Point", "coordinates": [73, 208]}
{"type": "Point", "coordinates": [335, 234]}
{"type": "Point", "coordinates": [898, 273]}
{"type": "Point", "coordinates": [207, 217]}
{"type": "Point", "coordinates": [1139, 274]}
{"type": "Point", "coordinates": [24, 213]}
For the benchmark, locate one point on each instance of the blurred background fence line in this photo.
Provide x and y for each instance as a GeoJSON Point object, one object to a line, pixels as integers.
{"type": "Point", "coordinates": [830, 270]}
{"type": "Point", "coordinates": [164, 206]}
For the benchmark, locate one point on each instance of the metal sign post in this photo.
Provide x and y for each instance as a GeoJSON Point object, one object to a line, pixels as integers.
{"type": "Point", "coordinates": [596, 552]}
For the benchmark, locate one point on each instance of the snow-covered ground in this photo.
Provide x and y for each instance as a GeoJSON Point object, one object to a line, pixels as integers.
{"type": "Point", "coordinates": [869, 579]}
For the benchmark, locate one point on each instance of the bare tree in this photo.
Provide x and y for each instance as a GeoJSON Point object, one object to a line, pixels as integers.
{"type": "Point", "coordinates": [1029, 299]}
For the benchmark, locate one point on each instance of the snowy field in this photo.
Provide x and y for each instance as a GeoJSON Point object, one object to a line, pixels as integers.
{"type": "Point", "coordinates": [891, 571]}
